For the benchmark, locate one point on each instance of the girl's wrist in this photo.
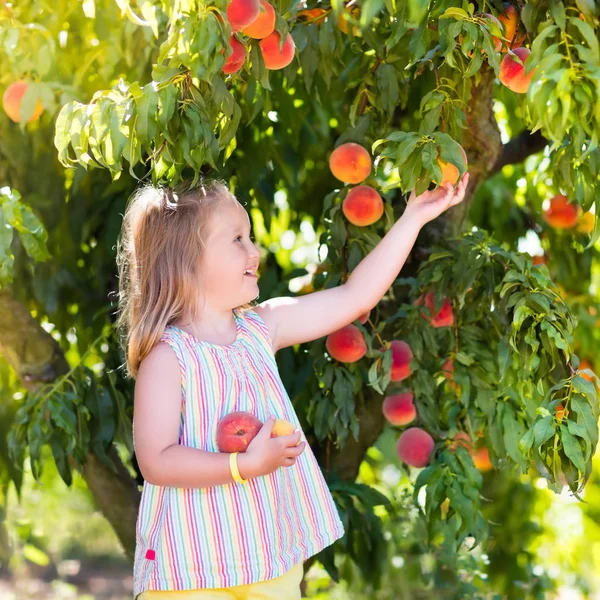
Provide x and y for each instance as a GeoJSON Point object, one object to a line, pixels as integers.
{"type": "Point", "coordinates": [245, 466]}
{"type": "Point", "coordinates": [414, 217]}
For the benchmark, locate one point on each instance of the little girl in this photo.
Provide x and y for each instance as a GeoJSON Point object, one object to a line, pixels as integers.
{"type": "Point", "coordinates": [213, 525]}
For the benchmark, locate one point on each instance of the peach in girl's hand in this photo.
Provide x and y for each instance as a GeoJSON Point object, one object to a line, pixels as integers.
{"type": "Point", "coordinates": [236, 430]}
{"type": "Point", "coordinates": [282, 427]}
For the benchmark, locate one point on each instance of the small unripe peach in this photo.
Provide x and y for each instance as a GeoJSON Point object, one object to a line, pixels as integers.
{"type": "Point", "coordinates": [561, 214]}
{"type": "Point", "coordinates": [362, 206]}
{"type": "Point", "coordinates": [264, 24]}
{"type": "Point", "coordinates": [346, 344]}
{"type": "Point", "coordinates": [241, 13]}
{"type": "Point", "coordinates": [415, 446]}
{"type": "Point", "coordinates": [273, 56]}
{"type": "Point", "coordinates": [512, 74]}
{"type": "Point", "coordinates": [350, 163]}
{"type": "Point", "coordinates": [11, 102]}
{"type": "Point", "coordinates": [399, 409]}
{"type": "Point", "coordinates": [236, 59]}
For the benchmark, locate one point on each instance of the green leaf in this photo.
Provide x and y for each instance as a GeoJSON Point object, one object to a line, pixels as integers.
{"type": "Point", "coordinates": [589, 36]}
{"type": "Point", "coordinates": [406, 147]}
{"type": "Point", "coordinates": [513, 432]}
{"type": "Point", "coordinates": [586, 417]}
{"type": "Point", "coordinates": [454, 13]}
{"type": "Point", "coordinates": [572, 448]}
{"type": "Point", "coordinates": [543, 430]}
{"type": "Point", "coordinates": [557, 10]}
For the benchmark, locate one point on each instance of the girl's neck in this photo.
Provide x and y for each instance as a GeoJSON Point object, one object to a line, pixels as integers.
{"type": "Point", "coordinates": [214, 328]}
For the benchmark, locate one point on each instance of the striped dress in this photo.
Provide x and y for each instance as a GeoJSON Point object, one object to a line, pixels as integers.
{"type": "Point", "coordinates": [234, 534]}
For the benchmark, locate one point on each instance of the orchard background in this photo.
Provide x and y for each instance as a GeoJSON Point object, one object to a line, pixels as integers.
{"type": "Point", "coordinates": [457, 428]}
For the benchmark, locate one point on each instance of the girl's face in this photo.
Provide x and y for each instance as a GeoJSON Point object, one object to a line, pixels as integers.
{"type": "Point", "coordinates": [229, 253]}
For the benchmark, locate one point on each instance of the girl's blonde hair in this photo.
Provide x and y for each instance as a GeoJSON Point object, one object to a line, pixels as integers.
{"type": "Point", "coordinates": [160, 245]}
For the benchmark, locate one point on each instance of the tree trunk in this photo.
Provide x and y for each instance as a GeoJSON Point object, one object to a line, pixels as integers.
{"type": "Point", "coordinates": [38, 359]}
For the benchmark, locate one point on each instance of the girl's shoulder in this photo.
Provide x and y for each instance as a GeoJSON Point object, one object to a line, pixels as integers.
{"type": "Point", "coordinates": [255, 324]}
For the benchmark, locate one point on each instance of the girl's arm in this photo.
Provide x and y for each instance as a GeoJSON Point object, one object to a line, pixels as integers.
{"type": "Point", "coordinates": [293, 320]}
{"type": "Point", "coordinates": [156, 421]}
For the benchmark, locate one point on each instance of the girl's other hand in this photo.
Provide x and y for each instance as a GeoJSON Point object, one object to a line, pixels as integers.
{"type": "Point", "coordinates": [429, 205]}
{"type": "Point", "coordinates": [266, 454]}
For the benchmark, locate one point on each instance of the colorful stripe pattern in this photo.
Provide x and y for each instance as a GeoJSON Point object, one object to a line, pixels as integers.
{"type": "Point", "coordinates": [232, 534]}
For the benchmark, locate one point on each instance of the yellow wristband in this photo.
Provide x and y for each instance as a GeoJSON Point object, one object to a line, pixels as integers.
{"type": "Point", "coordinates": [234, 468]}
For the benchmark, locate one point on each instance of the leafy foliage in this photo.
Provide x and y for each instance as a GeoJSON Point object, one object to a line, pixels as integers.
{"type": "Point", "coordinates": [134, 89]}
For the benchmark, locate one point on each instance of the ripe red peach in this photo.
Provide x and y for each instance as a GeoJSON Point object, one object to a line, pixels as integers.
{"type": "Point", "coordinates": [236, 430]}
{"type": "Point", "coordinates": [241, 13]}
{"type": "Point", "coordinates": [264, 24]}
{"type": "Point", "coordinates": [401, 357]}
{"type": "Point", "coordinates": [450, 173]}
{"type": "Point", "coordinates": [350, 163]}
{"type": "Point", "coordinates": [399, 409]}
{"type": "Point", "coordinates": [362, 206]}
{"type": "Point", "coordinates": [346, 344]}
{"type": "Point", "coordinates": [561, 214]}
{"type": "Point", "coordinates": [273, 56]}
{"type": "Point", "coordinates": [11, 102]}
{"type": "Point", "coordinates": [443, 318]}
{"type": "Point", "coordinates": [512, 74]}
{"type": "Point", "coordinates": [415, 446]}
{"type": "Point", "coordinates": [236, 59]}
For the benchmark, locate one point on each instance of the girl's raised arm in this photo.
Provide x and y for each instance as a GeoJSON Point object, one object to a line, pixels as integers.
{"type": "Point", "coordinates": [294, 320]}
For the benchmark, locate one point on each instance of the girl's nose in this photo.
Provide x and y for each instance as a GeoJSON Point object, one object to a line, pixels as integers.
{"type": "Point", "coordinates": [254, 251]}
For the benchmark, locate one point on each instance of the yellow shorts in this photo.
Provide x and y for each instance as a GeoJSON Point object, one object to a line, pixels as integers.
{"type": "Point", "coordinates": [286, 587]}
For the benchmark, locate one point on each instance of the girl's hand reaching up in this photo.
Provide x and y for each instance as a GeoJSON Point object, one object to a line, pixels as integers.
{"type": "Point", "coordinates": [429, 205]}
{"type": "Point", "coordinates": [266, 454]}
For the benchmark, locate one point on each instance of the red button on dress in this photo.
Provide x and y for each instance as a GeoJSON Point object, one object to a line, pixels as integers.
{"type": "Point", "coordinates": [150, 554]}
